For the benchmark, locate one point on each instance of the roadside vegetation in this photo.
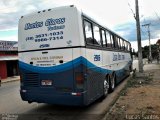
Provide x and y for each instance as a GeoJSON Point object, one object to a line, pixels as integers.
{"type": "Point", "coordinates": [139, 99]}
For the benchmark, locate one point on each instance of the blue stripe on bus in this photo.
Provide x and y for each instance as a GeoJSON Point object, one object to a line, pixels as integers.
{"type": "Point", "coordinates": [63, 67]}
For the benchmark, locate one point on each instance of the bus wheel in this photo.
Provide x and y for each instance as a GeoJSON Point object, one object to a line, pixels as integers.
{"type": "Point", "coordinates": [112, 83]}
{"type": "Point", "coordinates": [106, 86]}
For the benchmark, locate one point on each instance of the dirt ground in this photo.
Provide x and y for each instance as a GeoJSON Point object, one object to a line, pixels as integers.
{"type": "Point", "coordinates": [140, 99]}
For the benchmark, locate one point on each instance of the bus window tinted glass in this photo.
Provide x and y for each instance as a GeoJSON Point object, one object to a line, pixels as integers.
{"type": "Point", "coordinates": [116, 42]}
{"type": "Point", "coordinates": [88, 32]}
{"type": "Point", "coordinates": [120, 42]}
{"type": "Point", "coordinates": [112, 40]}
{"type": "Point", "coordinates": [103, 38]}
{"type": "Point", "coordinates": [96, 32]}
{"type": "Point", "coordinates": [108, 39]}
{"type": "Point", "coordinates": [125, 45]}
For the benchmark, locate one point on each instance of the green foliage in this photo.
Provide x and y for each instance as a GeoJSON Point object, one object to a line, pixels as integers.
{"type": "Point", "coordinates": [134, 53]}
{"type": "Point", "coordinates": [145, 51]}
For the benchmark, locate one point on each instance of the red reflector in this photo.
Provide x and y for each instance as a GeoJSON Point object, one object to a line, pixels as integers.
{"type": "Point", "coordinates": [79, 94]}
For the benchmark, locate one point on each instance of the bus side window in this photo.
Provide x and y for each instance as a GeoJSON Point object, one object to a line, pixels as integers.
{"type": "Point", "coordinates": [120, 42]}
{"type": "Point", "coordinates": [88, 32]}
{"type": "Point", "coordinates": [128, 46]}
{"type": "Point", "coordinates": [108, 39]}
{"type": "Point", "coordinates": [96, 32]}
{"type": "Point", "coordinates": [103, 38]}
{"type": "Point", "coordinates": [112, 40]}
{"type": "Point", "coordinates": [116, 42]}
{"type": "Point", "coordinates": [123, 45]}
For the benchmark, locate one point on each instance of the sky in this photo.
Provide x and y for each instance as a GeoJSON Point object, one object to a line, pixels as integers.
{"type": "Point", "coordinates": [118, 15]}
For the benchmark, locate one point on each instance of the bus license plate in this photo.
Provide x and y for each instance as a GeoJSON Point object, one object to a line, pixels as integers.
{"type": "Point", "coordinates": [46, 82]}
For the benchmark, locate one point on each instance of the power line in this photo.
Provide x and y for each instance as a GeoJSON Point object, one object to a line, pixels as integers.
{"type": "Point", "coordinates": [134, 15]}
{"type": "Point", "coordinates": [144, 33]}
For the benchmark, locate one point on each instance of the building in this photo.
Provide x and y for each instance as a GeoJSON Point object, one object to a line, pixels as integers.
{"type": "Point", "coordinates": [8, 59]}
{"type": "Point", "coordinates": [158, 42]}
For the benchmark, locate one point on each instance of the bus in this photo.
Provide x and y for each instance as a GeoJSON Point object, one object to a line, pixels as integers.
{"type": "Point", "coordinates": [68, 58]}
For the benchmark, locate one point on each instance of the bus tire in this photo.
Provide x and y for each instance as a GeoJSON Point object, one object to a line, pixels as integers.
{"type": "Point", "coordinates": [112, 83]}
{"type": "Point", "coordinates": [106, 86]}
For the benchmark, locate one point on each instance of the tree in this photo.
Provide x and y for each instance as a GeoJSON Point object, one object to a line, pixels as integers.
{"type": "Point", "coordinates": [134, 53]}
{"type": "Point", "coordinates": [145, 51]}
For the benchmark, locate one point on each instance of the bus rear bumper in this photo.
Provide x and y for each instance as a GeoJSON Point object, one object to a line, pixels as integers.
{"type": "Point", "coordinates": [71, 99]}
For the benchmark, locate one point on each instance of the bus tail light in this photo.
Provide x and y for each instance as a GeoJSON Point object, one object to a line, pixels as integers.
{"type": "Point", "coordinates": [21, 77]}
{"type": "Point", "coordinates": [79, 80]}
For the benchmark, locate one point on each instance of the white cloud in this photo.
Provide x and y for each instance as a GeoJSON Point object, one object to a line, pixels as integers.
{"type": "Point", "coordinates": [10, 38]}
{"type": "Point", "coordinates": [7, 10]}
{"type": "Point", "coordinates": [143, 43]}
{"type": "Point", "coordinates": [9, 2]}
{"type": "Point", "coordinates": [109, 12]}
{"type": "Point", "coordinates": [13, 28]}
{"type": "Point", "coordinates": [112, 12]}
{"type": "Point", "coordinates": [30, 8]}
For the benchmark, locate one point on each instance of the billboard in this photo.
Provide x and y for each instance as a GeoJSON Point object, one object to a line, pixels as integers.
{"type": "Point", "coordinates": [8, 46]}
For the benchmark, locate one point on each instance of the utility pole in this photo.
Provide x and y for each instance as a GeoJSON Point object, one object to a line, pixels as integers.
{"type": "Point", "coordinates": [140, 61]}
{"type": "Point", "coordinates": [149, 36]}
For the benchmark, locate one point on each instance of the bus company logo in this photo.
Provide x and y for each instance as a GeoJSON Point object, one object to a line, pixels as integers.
{"type": "Point", "coordinates": [52, 21]}
{"type": "Point", "coordinates": [118, 56]}
{"type": "Point", "coordinates": [44, 45]}
{"type": "Point", "coordinates": [97, 58]}
{"type": "Point", "coordinates": [49, 22]}
{"type": "Point", "coordinates": [33, 25]}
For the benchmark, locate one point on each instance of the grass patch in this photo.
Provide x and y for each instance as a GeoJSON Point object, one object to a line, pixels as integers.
{"type": "Point", "coordinates": [137, 80]}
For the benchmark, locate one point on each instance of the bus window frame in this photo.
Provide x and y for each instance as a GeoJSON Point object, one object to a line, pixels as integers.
{"type": "Point", "coordinates": [121, 41]}
{"type": "Point", "coordinates": [91, 22]}
{"type": "Point", "coordinates": [109, 46]}
{"type": "Point", "coordinates": [116, 45]}
{"type": "Point", "coordinates": [85, 31]}
{"type": "Point", "coordinates": [112, 40]}
{"type": "Point", "coordinates": [103, 45]}
{"type": "Point", "coordinates": [94, 24]}
{"type": "Point", "coordinates": [111, 34]}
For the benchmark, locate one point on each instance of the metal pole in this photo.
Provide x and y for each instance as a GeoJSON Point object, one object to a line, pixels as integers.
{"type": "Point", "coordinates": [149, 36]}
{"type": "Point", "coordinates": [150, 50]}
{"type": "Point", "coordinates": [140, 61]}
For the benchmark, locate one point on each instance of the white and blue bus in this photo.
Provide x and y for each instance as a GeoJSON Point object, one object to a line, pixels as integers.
{"type": "Point", "coordinates": [68, 58]}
